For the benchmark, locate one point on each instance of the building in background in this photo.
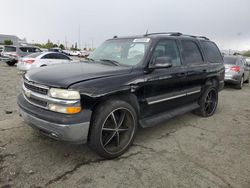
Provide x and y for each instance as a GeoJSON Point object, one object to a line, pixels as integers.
{"type": "Point", "coordinates": [13, 38]}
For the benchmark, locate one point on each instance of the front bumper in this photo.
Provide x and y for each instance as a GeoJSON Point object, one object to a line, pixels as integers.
{"type": "Point", "coordinates": [71, 128]}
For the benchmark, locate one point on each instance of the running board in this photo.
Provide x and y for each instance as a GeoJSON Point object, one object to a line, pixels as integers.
{"type": "Point", "coordinates": [159, 118]}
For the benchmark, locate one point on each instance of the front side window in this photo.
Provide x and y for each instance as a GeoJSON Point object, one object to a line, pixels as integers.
{"type": "Point", "coordinates": [123, 51]}
{"type": "Point", "coordinates": [190, 52]}
{"type": "Point", "coordinates": [212, 52]}
{"type": "Point", "coordinates": [169, 49]}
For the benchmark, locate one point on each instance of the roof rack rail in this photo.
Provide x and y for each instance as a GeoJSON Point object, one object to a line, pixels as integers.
{"type": "Point", "coordinates": [176, 34]}
{"type": "Point", "coordinates": [165, 33]}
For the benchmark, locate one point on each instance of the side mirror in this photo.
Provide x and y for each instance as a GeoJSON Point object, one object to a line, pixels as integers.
{"type": "Point", "coordinates": [161, 62]}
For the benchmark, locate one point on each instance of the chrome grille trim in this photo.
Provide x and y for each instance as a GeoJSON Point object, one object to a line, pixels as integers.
{"type": "Point", "coordinates": [46, 99]}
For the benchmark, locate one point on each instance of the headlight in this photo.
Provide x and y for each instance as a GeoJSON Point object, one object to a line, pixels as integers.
{"type": "Point", "coordinates": [64, 94]}
{"type": "Point", "coordinates": [64, 109]}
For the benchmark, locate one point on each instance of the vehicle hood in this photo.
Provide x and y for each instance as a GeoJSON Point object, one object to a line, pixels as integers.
{"type": "Point", "coordinates": [64, 75]}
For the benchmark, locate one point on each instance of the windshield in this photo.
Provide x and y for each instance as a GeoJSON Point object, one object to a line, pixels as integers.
{"type": "Point", "coordinates": [122, 51]}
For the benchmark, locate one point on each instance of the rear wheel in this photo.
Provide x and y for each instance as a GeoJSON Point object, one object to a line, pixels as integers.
{"type": "Point", "coordinates": [208, 101]}
{"type": "Point", "coordinates": [11, 63]}
{"type": "Point", "coordinates": [247, 81]}
{"type": "Point", "coordinates": [113, 128]}
{"type": "Point", "coordinates": [240, 84]}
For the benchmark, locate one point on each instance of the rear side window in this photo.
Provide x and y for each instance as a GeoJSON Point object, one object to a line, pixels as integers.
{"type": "Point", "coordinates": [61, 56]}
{"type": "Point", "coordinates": [9, 49]}
{"type": "Point", "coordinates": [190, 52]}
{"type": "Point", "coordinates": [212, 52]}
{"type": "Point", "coordinates": [29, 49]}
{"type": "Point", "coordinates": [49, 56]}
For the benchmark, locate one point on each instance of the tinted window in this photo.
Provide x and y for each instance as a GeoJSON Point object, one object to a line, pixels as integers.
{"type": "Point", "coordinates": [230, 60]}
{"type": "Point", "coordinates": [9, 49]}
{"type": "Point", "coordinates": [190, 52]}
{"type": "Point", "coordinates": [29, 49]}
{"type": "Point", "coordinates": [61, 56]}
{"type": "Point", "coordinates": [168, 48]}
{"type": "Point", "coordinates": [212, 52]}
{"type": "Point", "coordinates": [49, 56]}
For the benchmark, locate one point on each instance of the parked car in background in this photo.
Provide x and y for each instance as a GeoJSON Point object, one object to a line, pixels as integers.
{"type": "Point", "coordinates": [11, 54]}
{"type": "Point", "coordinates": [42, 59]}
{"type": "Point", "coordinates": [126, 83]}
{"type": "Point", "coordinates": [55, 50]}
{"type": "Point", "coordinates": [1, 50]}
{"type": "Point", "coordinates": [75, 53]}
{"type": "Point", "coordinates": [248, 61]}
{"type": "Point", "coordinates": [237, 70]}
{"type": "Point", "coordinates": [84, 53]}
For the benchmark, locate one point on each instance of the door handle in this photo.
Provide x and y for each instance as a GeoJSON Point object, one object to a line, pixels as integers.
{"type": "Point", "coordinates": [181, 74]}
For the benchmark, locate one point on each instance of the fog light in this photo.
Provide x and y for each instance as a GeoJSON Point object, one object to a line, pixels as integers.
{"type": "Point", "coordinates": [64, 109]}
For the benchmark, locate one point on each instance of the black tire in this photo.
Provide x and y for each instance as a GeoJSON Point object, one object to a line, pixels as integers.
{"type": "Point", "coordinates": [240, 84]}
{"type": "Point", "coordinates": [11, 63]}
{"type": "Point", "coordinates": [113, 127]}
{"type": "Point", "coordinates": [208, 101]}
{"type": "Point", "coordinates": [247, 81]}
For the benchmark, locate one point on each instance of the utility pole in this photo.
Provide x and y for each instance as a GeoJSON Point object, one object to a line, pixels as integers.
{"type": "Point", "coordinates": [66, 42]}
{"type": "Point", "coordinates": [79, 36]}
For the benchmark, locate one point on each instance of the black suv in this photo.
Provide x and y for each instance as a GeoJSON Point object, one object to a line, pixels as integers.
{"type": "Point", "coordinates": [127, 82]}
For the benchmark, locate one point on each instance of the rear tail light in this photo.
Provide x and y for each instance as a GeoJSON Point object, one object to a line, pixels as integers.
{"type": "Point", "coordinates": [28, 61]}
{"type": "Point", "coordinates": [235, 68]}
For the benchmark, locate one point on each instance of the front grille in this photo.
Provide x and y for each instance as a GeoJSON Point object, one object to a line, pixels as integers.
{"type": "Point", "coordinates": [36, 89]}
{"type": "Point", "coordinates": [38, 102]}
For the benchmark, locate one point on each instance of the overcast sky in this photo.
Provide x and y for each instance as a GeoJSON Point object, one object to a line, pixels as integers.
{"type": "Point", "coordinates": [227, 22]}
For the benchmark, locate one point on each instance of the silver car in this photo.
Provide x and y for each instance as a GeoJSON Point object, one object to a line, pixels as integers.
{"type": "Point", "coordinates": [11, 54]}
{"type": "Point", "coordinates": [236, 70]}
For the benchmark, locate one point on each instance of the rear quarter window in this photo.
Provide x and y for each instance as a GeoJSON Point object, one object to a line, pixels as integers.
{"type": "Point", "coordinates": [212, 52]}
{"type": "Point", "coordinates": [191, 53]}
{"type": "Point", "coordinates": [10, 49]}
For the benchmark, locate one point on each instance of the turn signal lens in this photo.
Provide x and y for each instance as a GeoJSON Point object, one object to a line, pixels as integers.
{"type": "Point", "coordinates": [73, 110]}
{"type": "Point", "coordinates": [64, 109]}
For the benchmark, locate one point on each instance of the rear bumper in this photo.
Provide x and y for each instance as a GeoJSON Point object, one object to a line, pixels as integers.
{"type": "Point", "coordinates": [232, 78]}
{"type": "Point", "coordinates": [71, 128]}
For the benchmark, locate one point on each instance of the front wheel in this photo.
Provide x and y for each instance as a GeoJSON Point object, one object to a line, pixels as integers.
{"type": "Point", "coordinates": [208, 101]}
{"type": "Point", "coordinates": [113, 128]}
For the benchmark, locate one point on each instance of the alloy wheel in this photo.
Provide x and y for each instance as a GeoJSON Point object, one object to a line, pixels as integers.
{"type": "Point", "coordinates": [211, 102]}
{"type": "Point", "coordinates": [117, 130]}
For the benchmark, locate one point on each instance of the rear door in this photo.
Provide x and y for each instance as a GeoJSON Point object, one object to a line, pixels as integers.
{"type": "Point", "coordinates": [196, 67]}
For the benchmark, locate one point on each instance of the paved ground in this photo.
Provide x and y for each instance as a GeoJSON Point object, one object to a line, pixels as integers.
{"type": "Point", "coordinates": [187, 151]}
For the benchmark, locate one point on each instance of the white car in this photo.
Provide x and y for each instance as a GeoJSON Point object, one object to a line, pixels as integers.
{"type": "Point", "coordinates": [75, 53]}
{"type": "Point", "coordinates": [42, 59]}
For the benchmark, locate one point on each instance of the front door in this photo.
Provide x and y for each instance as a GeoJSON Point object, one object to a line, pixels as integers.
{"type": "Point", "coordinates": [164, 88]}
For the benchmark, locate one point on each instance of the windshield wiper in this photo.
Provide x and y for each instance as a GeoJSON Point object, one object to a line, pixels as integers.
{"type": "Point", "coordinates": [113, 62]}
